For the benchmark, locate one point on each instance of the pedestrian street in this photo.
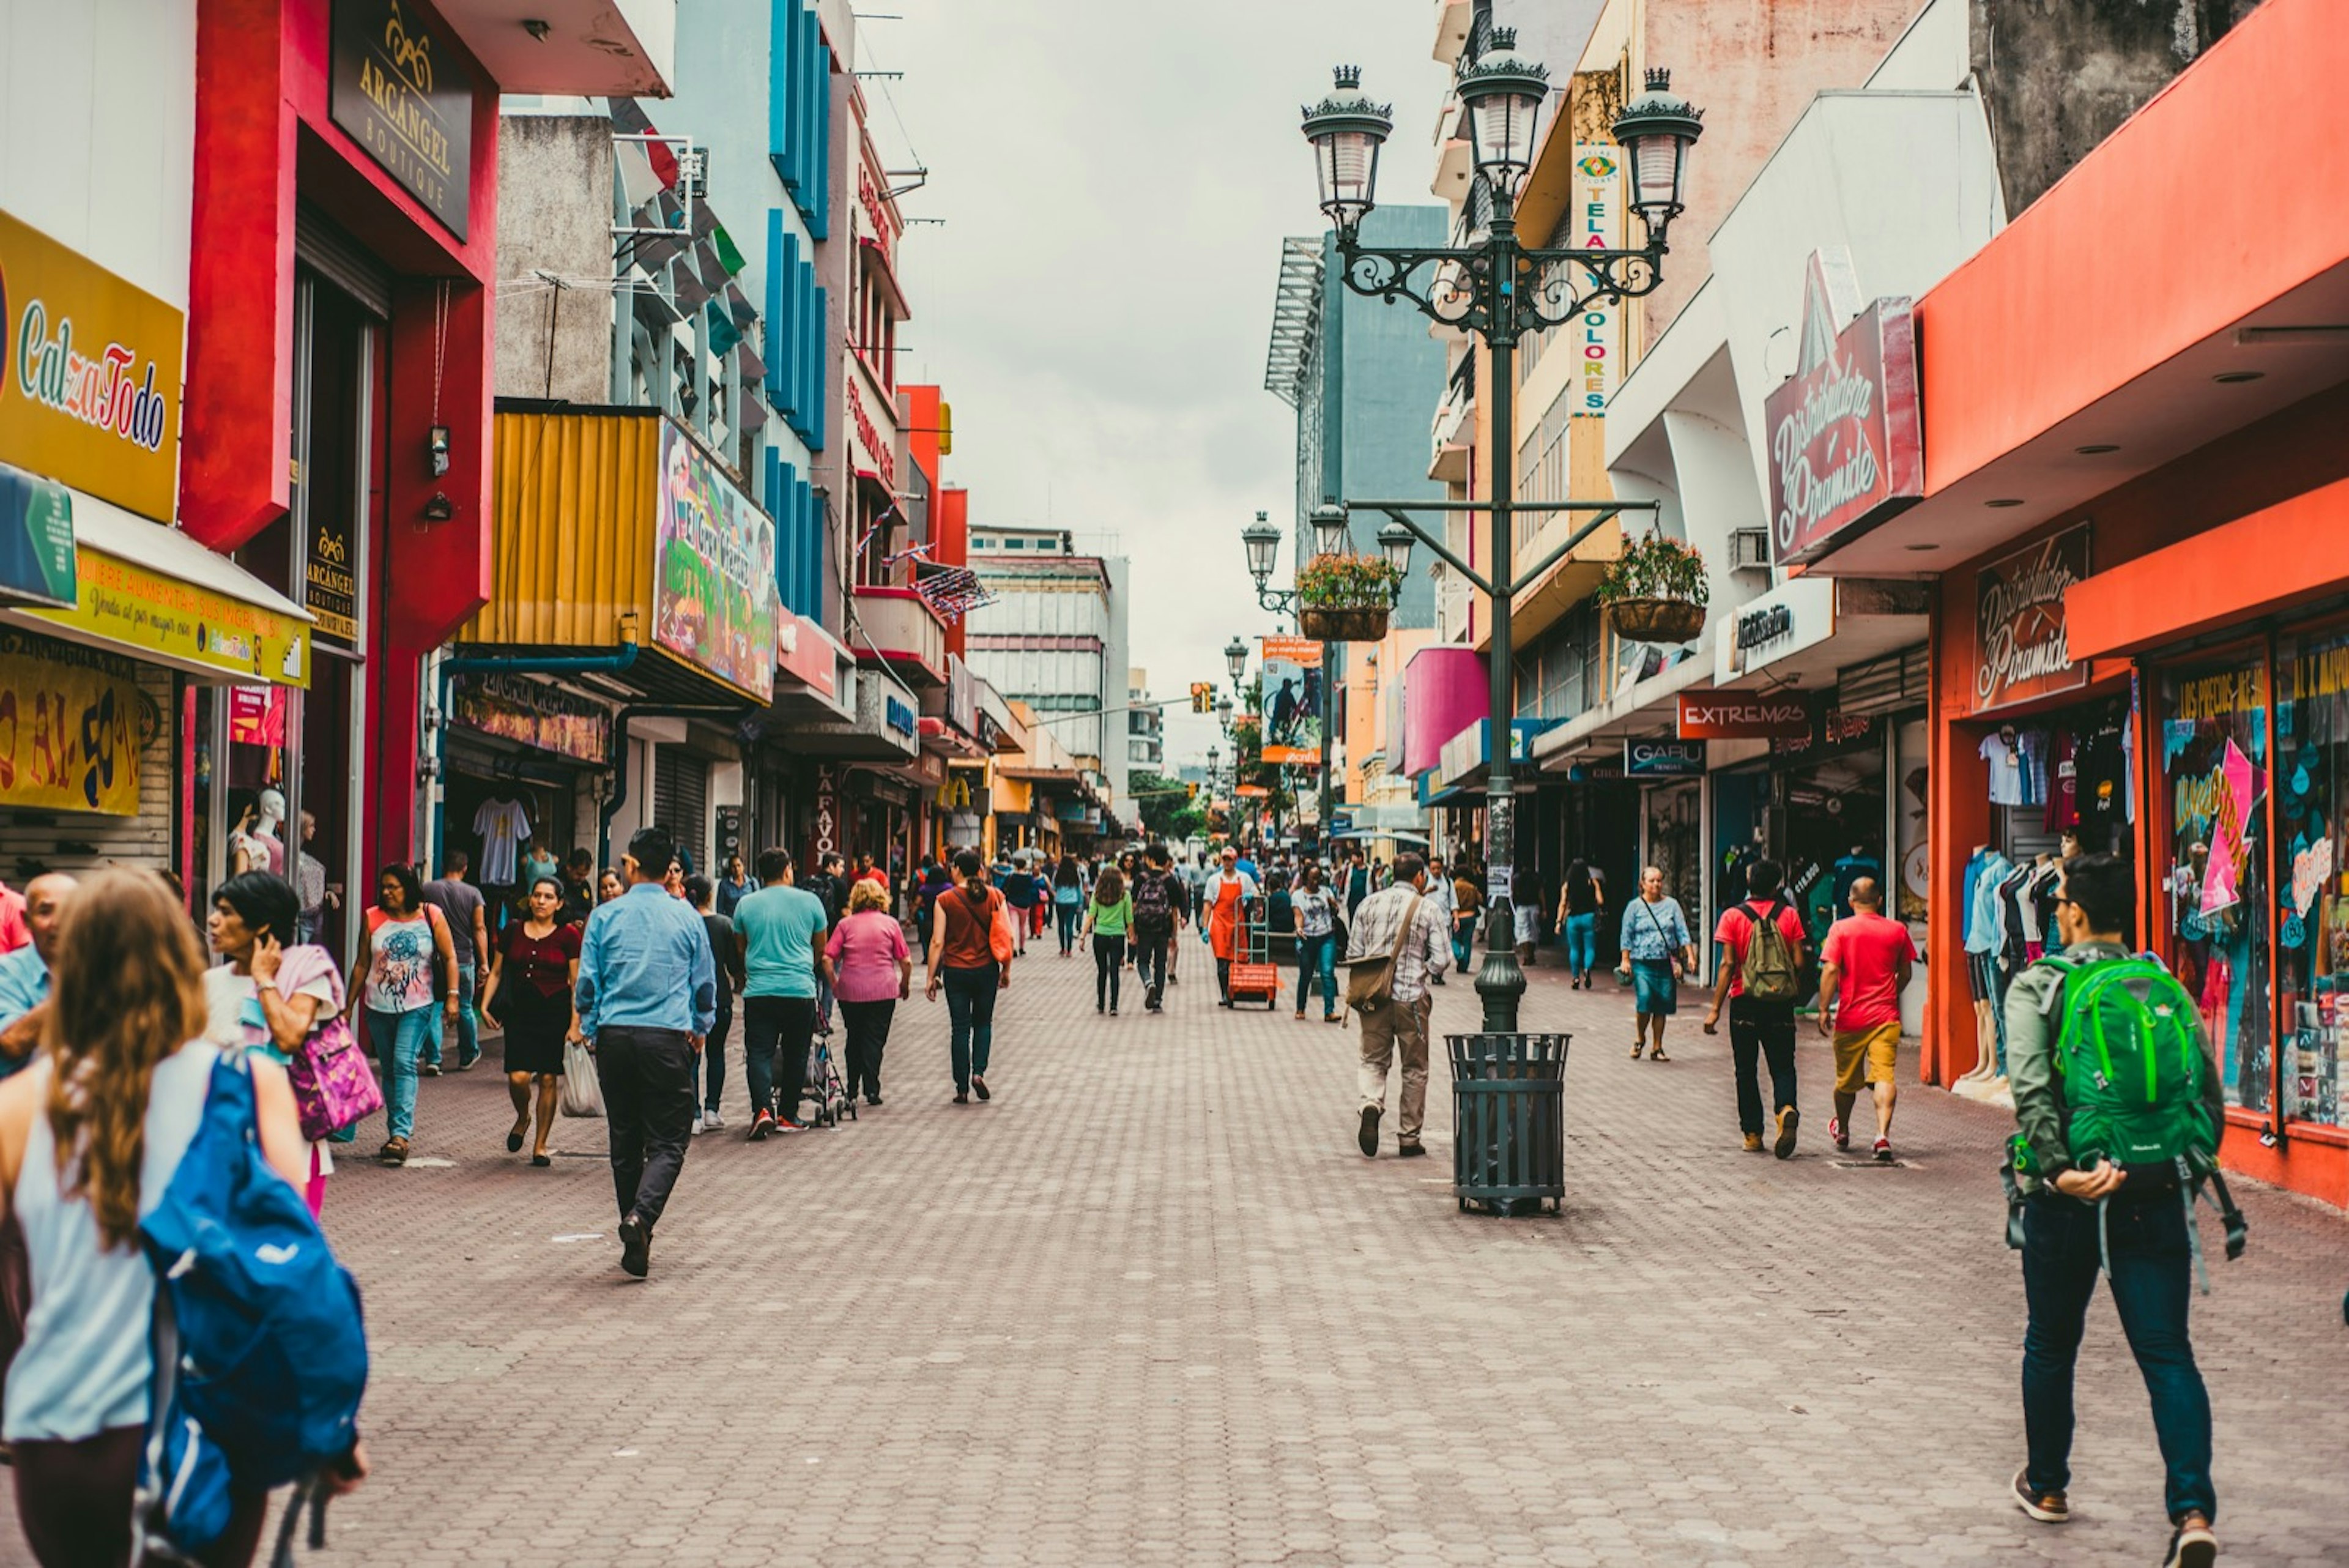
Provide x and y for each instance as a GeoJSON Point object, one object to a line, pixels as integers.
{"type": "Point", "coordinates": [1151, 1304]}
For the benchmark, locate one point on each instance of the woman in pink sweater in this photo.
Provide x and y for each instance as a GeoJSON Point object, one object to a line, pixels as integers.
{"type": "Point", "coordinates": [871, 972]}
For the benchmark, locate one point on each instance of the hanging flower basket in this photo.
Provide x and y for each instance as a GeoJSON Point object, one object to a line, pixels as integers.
{"type": "Point", "coordinates": [1332, 625]}
{"type": "Point", "coordinates": [1656, 591]}
{"type": "Point", "coordinates": [1345, 597]}
{"type": "Point", "coordinates": [1656, 620]}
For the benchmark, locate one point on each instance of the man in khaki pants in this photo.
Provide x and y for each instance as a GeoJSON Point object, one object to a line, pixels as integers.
{"type": "Point", "coordinates": [1398, 926]}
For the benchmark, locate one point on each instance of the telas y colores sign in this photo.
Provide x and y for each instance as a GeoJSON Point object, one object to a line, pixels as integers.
{"type": "Point", "coordinates": [1846, 444]}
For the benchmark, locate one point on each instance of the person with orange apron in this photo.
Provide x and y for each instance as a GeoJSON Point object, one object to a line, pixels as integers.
{"type": "Point", "coordinates": [1226, 888]}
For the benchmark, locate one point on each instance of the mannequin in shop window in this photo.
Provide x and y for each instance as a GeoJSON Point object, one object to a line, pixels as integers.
{"type": "Point", "coordinates": [1849, 868]}
{"type": "Point", "coordinates": [1986, 870]}
{"type": "Point", "coordinates": [254, 843]}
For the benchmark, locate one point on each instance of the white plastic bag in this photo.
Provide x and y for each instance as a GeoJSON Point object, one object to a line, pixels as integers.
{"type": "Point", "coordinates": [583, 1094]}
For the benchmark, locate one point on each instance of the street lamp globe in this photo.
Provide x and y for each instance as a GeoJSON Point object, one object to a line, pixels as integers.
{"type": "Point", "coordinates": [1395, 541]}
{"type": "Point", "coordinates": [1329, 530]}
{"type": "Point", "coordinates": [1235, 657]}
{"type": "Point", "coordinates": [1347, 129]}
{"type": "Point", "coordinates": [1656, 130]}
{"type": "Point", "coordinates": [1223, 713]}
{"type": "Point", "coordinates": [1263, 542]}
{"type": "Point", "coordinates": [1504, 92]}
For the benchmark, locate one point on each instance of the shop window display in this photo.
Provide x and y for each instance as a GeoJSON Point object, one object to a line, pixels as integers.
{"type": "Point", "coordinates": [2311, 730]}
{"type": "Point", "coordinates": [2215, 777]}
{"type": "Point", "coordinates": [2060, 784]}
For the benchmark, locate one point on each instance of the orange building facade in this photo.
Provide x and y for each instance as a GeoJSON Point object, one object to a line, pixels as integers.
{"type": "Point", "coordinates": [2136, 503]}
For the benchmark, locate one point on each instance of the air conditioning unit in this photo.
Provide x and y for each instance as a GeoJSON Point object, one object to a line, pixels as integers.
{"type": "Point", "coordinates": [1749, 550]}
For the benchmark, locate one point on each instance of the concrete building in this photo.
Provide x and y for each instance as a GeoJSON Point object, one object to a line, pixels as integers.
{"type": "Point", "coordinates": [1145, 730]}
{"type": "Point", "coordinates": [1053, 637]}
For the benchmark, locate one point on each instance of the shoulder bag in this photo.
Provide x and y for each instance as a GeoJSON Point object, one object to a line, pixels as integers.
{"type": "Point", "coordinates": [1370, 982]}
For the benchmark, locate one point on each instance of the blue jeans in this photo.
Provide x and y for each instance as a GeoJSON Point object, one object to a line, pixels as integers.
{"type": "Point", "coordinates": [2152, 1281]}
{"type": "Point", "coordinates": [1317, 958]}
{"type": "Point", "coordinates": [1067, 916]}
{"type": "Point", "coordinates": [469, 1027]}
{"type": "Point", "coordinates": [399, 1039]}
{"type": "Point", "coordinates": [1581, 943]}
{"type": "Point", "coordinates": [970, 1013]}
{"type": "Point", "coordinates": [1464, 945]}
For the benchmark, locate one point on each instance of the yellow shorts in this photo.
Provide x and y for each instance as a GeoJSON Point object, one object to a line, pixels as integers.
{"type": "Point", "coordinates": [1865, 1057]}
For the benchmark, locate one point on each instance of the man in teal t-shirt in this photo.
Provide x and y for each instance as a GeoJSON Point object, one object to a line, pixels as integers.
{"type": "Point", "coordinates": [781, 930]}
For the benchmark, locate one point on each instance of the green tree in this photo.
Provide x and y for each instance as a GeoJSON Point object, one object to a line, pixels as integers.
{"type": "Point", "coordinates": [1167, 811]}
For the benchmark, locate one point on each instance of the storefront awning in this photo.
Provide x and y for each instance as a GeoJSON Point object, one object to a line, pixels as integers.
{"type": "Point", "coordinates": [1646, 709]}
{"type": "Point", "coordinates": [154, 594]}
{"type": "Point", "coordinates": [2279, 557]}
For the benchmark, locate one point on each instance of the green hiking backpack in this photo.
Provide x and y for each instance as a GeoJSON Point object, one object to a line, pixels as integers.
{"type": "Point", "coordinates": [2129, 1070]}
{"type": "Point", "coordinates": [1769, 972]}
{"type": "Point", "coordinates": [2128, 1049]}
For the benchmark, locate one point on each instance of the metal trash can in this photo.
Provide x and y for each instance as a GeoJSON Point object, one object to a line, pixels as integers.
{"type": "Point", "coordinates": [1508, 1120]}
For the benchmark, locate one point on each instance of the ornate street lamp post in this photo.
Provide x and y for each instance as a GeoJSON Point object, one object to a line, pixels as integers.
{"type": "Point", "coordinates": [1499, 290]}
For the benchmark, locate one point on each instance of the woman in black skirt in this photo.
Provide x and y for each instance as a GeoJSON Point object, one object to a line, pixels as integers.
{"type": "Point", "coordinates": [529, 996]}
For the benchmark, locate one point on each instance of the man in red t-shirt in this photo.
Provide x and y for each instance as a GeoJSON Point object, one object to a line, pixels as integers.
{"type": "Point", "coordinates": [1759, 1028]}
{"type": "Point", "coordinates": [1867, 959]}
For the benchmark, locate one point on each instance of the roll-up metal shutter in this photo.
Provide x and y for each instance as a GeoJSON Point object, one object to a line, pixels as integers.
{"type": "Point", "coordinates": [328, 250]}
{"type": "Point", "coordinates": [681, 801]}
{"type": "Point", "coordinates": [1885, 685]}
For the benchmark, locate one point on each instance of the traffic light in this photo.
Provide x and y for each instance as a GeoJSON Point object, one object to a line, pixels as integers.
{"type": "Point", "coordinates": [1190, 792]}
{"type": "Point", "coordinates": [1202, 696]}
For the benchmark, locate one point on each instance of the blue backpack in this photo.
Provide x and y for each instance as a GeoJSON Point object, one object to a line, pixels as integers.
{"type": "Point", "coordinates": [260, 1350]}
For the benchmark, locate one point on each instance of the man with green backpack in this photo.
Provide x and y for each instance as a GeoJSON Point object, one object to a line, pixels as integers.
{"type": "Point", "coordinates": [1759, 980]}
{"type": "Point", "coordinates": [2118, 1110]}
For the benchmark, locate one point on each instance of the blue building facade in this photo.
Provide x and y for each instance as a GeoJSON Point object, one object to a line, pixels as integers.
{"type": "Point", "coordinates": [755, 84]}
{"type": "Point", "coordinates": [1362, 376]}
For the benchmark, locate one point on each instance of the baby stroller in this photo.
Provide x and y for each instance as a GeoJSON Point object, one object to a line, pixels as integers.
{"type": "Point", "coordinates": [825, 1086]}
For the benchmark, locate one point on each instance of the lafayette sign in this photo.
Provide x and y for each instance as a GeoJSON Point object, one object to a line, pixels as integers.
{"type": "Point", "coordinates": [1742, 716]}
{"type": "Point", "coordinates": [1846, 448]}
{"type": "Point", "coordinates": [2021, 646]}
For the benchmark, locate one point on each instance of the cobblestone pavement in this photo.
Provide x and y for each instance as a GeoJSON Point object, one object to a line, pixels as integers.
{"type": "Point", "coordinates": [1152, 1307]}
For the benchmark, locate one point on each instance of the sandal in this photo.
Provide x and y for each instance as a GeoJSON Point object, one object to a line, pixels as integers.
{"type": "Point", "coordinates": [394, 1152]}
{"type": "Point", "coordinates": [1638, 1046]}
{"type": "Point", "coordinates": [1658, 1055]}
{"type": "Point", "coordinates": [514, 1139]}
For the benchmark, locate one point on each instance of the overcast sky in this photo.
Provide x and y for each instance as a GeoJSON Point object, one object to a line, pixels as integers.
{"type": "Point", "coordinates": [1114, 180]}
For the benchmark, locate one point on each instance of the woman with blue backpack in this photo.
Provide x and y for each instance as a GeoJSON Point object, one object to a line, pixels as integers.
{"type": "Point", "coordinates": [94, 1137]}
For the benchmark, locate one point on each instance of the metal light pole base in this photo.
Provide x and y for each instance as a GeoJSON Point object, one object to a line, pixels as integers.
{"type": "Point", "coordinates": [1502, 985]}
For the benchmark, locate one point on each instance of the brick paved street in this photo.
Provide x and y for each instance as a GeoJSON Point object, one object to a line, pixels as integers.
{"type": "Point", "coordinates": [1152, 1307]}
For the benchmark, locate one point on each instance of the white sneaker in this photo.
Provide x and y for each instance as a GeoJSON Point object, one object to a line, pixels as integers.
{"type": "Point", "coordinates": [697, 1125]}
{"type": "Point", "coordinates": [711, 1121]}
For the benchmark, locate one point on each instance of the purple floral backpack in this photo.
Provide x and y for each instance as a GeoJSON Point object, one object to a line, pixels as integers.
{"type": "Point", "coordinates": [334, 1082]}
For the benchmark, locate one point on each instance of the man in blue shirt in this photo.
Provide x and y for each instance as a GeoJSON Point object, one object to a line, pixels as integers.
{"type": "Point", "coordinates": [780, 930]}
{"type": "Point", "coordinates": [25, 973]}
{"type": "Point", "coordinates": [647, 1032]}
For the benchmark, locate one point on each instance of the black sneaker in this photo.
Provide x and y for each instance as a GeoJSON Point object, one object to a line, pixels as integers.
{"type": "Point", "coordinates": [2191, 1544]}
{"type": "Point", "coordinates": [1368, 1136]}
{"type": "Point", "coordinates": [2047, 1507]}
{"type": "Point", "coordinates": [636, 1248]}
{"type": "Point", "coordinates": [1411, 1150]}
{"type": "Point", "coordinates": [962, 1096]}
